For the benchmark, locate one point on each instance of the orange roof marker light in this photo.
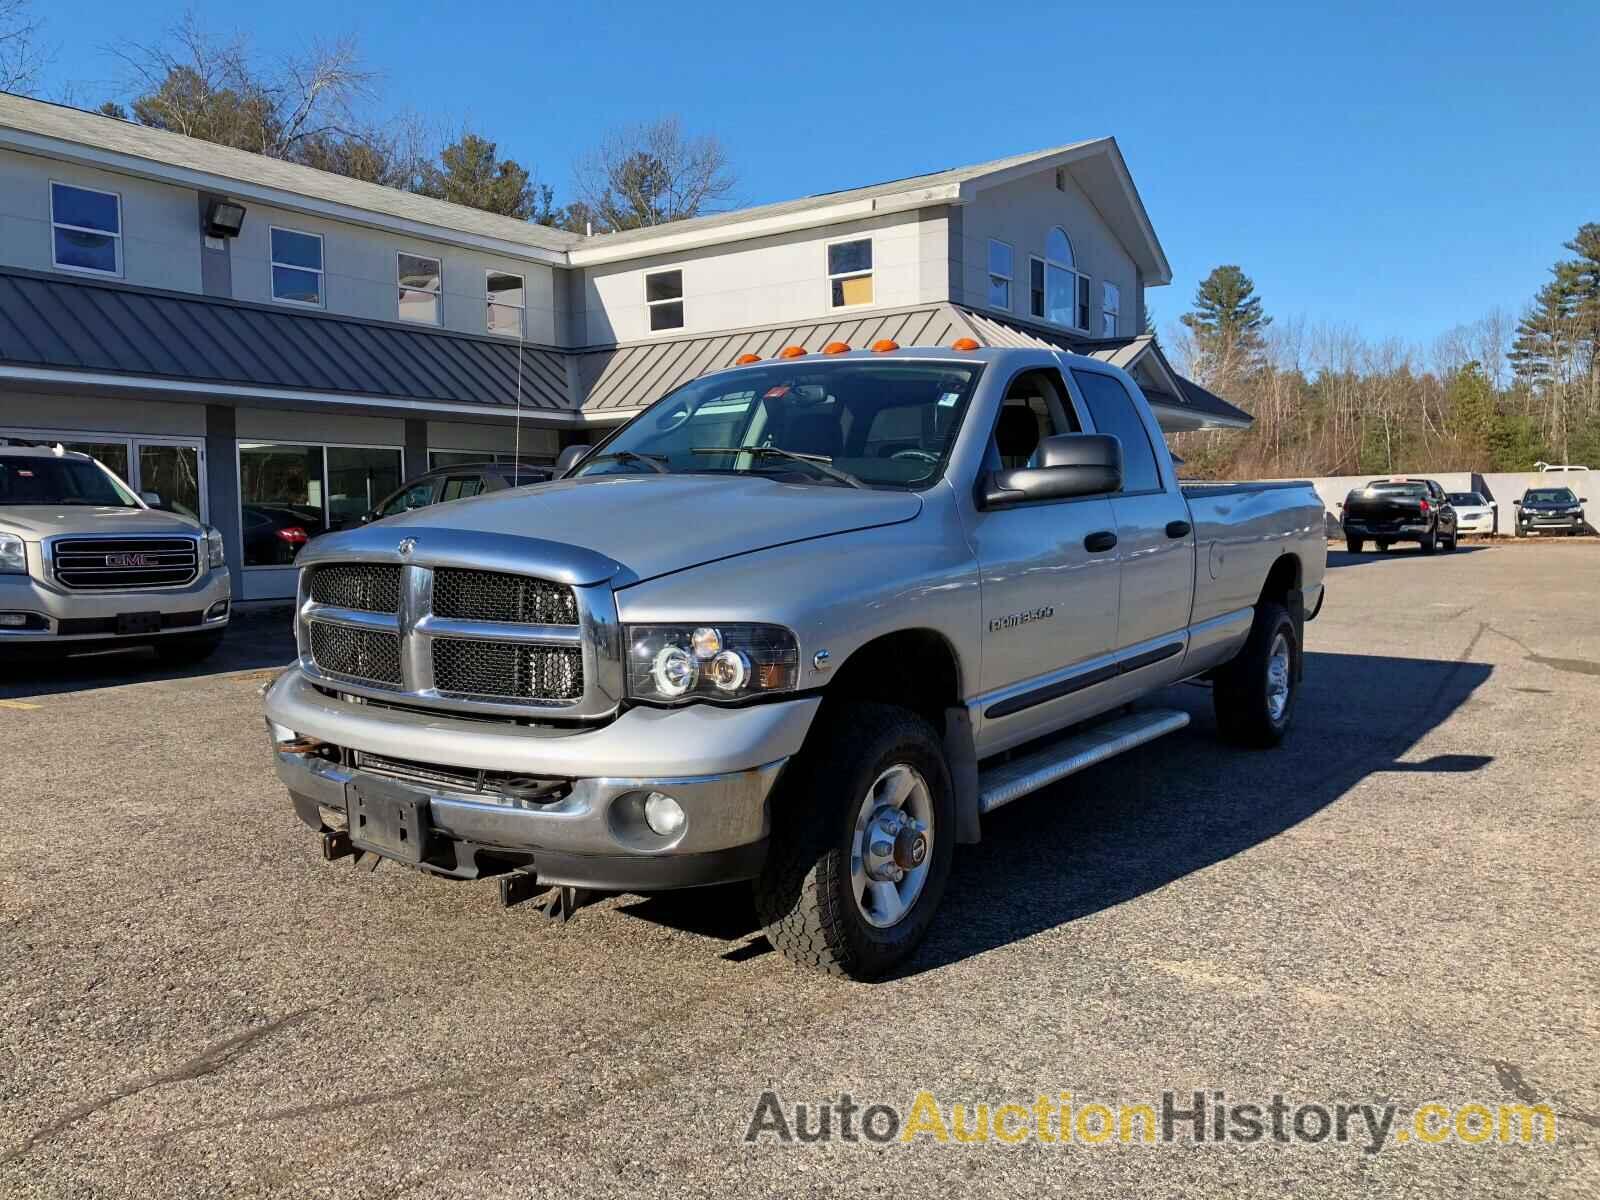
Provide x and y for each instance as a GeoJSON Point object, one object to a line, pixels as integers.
{"type": "Point", "coordinates": [884, 345]}
{"type": "Point", "coordinates": [792, 352]}
{"type": "Point", "coordinates": [964, 344]}
{"type": "Point", "coordinates": [744, 360]}
{"type": "Point", "coordinates": [836, 348]}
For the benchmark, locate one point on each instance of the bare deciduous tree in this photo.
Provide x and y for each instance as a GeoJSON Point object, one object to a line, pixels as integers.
{"type": "Point", "coordinates": [22, 58]}
{"type": "Point", "coordinates": [650, 174]}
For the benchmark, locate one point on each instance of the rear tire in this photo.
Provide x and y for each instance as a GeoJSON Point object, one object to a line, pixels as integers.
{"type": "Point", "coordinates": [1253, 696]}
{"type": "Point", "coordinates": [1455, 540]}
{"type": "Point", "coordinates": [814, 896]}
{"type": "Point", "coordinates": [1430, 544]}
{"type": "Point", "coordinates": [1354, 544]}
{"type": "Point", "coordinates": [184, 649]}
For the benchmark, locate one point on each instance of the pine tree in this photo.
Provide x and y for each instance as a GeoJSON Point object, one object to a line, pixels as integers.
{"type": "Point", "coordinates": [1228, 326]}
{"type": "Point", "coordinates": [469, 173]}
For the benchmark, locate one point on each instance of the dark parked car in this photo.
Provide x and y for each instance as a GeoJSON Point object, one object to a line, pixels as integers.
{"type": "Point", "coordinates": [1550, 510]}
{"type": "Point", "coordinates": [274, 533]}
{"type": "Point", "coordinates": [455, 482]}
{"type": "Point", "coordinates": [1398, 509]}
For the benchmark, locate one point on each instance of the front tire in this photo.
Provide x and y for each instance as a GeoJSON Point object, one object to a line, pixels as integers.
{"type": "Point", "coordinates": [1430, 544]}
{"type": "Point", "coordinates": [1253, 696]}
{"type": "Point", "coordinates": [872, 778]}
{"type": "Point", "coordinates": [1354, 544]}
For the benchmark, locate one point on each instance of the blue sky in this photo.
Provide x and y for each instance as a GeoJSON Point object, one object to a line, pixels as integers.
{"type": "Point", "coordinates": [1399, 168]}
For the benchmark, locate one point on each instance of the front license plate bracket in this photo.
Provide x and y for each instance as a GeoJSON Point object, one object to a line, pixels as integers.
{"type": "Point", "coordinates": [388, 819]}
{"type": "Point", "coordinates": [138, 622]}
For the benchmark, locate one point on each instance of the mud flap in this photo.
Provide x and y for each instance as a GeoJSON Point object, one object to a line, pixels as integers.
{"type": "Point", "coordinates": [961, 756]}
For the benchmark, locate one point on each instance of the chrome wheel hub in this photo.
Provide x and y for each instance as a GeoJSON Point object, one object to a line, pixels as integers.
{"type": "Point", "coordinates": [892, 846]}
{"type": "Point", "coordinates": [1278, 675]}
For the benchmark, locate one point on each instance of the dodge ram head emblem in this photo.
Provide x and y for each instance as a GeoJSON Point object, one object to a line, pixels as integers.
{"type": "Point", "coordinates": [406, 546]}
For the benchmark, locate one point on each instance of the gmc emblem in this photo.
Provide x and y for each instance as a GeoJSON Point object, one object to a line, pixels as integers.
{"type": "Point", "coordinates": [131, 560]}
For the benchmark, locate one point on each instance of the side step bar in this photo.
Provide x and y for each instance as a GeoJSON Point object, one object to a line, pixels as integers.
{"type": "Point", "coordinates": [1015, 779]}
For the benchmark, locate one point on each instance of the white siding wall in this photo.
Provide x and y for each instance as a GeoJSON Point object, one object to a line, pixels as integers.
{"type": "Point", "coordinates": [767, 280]}
{"type": "Point", "coordinates": [1022, 213]}
{"type": "Point", "coordinates": [160, 223]}
{"type": "Point", "coordinates": [360, 264]}
{"type": "Point", "coordinates": [91, 414]}
{"type": "Point", "coordinates": [492, 439]}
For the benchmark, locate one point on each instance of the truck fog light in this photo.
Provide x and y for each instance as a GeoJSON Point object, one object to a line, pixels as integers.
{"type": "Point", "coordinates": [729, 671]}
{"type": "Point", "coordinates": [674, 670]}
{"type": "Point", "coordinates": [663, 814]}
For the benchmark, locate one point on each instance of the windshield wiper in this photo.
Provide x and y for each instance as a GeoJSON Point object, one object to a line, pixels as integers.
{"type": "Point", "coordinates": [821, 462]}
{"type": "Point", "coordinates": [653, 461]}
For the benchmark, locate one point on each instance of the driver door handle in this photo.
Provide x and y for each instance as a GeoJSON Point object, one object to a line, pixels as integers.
{"type": "Point", "coordinates": [1177, 529]}
{"type": "Point", "coordinates": [1098, 543]}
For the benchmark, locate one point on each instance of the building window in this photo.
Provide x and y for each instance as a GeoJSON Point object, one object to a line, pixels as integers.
{"type": "Point", "coordinates": [663, 295]}
{"type": "Point", "coordinates": [1063, 298]}
{"type": "Point", "coordinates": [999, 275]}
{"type": "Point", "coordinates": [290, 493]}
{"type": "Point", "coordinates": [850, 272]}
{"type": "Point", "coordinates": [421, 280]}
{"type": "Point", "coordinates": [297, 266]}
{"type": "Point", "coordinates": [359, 477]}
{"type": "Point", "coordinates": [1036, 287]}
{"type": "Point", "coordinates": [86, 229]}
{"type": "Point", "coordinates": [506, 304]}
{"type": "Point", "coordinates": [1110, 308]}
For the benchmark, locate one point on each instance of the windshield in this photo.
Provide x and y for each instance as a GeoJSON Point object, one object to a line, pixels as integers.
{"type": "Point", "coordinates": [1550, 496]}
{"type": "Point", "coordinates": [887, 424]}
{"type": "Point", "coordinates": [52, 481]}
{"type": "Point", "coordinates": [1466, 499]}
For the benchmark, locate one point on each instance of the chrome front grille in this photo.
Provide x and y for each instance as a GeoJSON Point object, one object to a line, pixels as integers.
{"type": "Point", "coordinates": [368, 587]}
{"type": "Point", "coordinates": [103, 564]}
{"type": "Point", "coordinates": [461, 639]}
{"type": "Point", "coordinates": [351, 652]}
{"type": "Point", "coordinates": [511, 670]}
{"type": "Point", "coordinates": [496, 596]}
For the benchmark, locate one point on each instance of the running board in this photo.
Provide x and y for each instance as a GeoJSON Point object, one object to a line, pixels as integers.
{"type": "Point", "coordinates": [1015, 779]}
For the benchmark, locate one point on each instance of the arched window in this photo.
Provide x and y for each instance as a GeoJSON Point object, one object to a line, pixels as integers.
{"type": "Point", "coordinates": [1060, 294]}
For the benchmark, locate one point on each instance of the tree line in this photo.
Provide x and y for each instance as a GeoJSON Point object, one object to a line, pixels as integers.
{"type": "Point", "coordinates": [1501, 394]}
{"type": "Point", "coordinates": [323, 108]}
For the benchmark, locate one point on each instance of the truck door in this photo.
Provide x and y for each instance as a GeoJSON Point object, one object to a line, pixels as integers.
{"type": "Point", "coordinates": [1049, 580]}
{"type": "Point", "coordinates": [1154, 538]}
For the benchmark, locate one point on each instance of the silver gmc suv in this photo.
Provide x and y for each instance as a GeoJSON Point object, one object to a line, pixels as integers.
{"type": "Point", "coordinates": [803, 622]}
{"type": "Point", "coordinates": [86, 565]}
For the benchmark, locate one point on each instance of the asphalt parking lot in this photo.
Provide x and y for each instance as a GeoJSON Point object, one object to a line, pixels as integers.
{"type": "Point", "coordinates": [1398, 906]}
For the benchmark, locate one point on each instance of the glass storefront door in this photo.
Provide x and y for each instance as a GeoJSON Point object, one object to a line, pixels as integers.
{"type": "Point", "coordinates": [173, 471]}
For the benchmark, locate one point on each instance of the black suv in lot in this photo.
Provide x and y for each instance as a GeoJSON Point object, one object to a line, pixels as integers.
{"type": "Point", "coordinates": [1550, 510]}
{"type": "Point", "coordinates": [455, 482]}
{"type": "Point", "coordinates": [1398, 509]}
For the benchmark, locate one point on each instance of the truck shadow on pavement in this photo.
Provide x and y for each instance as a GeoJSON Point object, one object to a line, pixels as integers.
{"type": "Point", "coordinates": [255, 639]}
{"type": "Point", "coordinates": [1370, 556]}
{"type": "Point", "coordinates": [1136, 823]}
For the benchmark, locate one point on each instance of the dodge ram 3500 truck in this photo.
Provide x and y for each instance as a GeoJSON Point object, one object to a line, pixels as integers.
{"type": "Point", "coordinates": [802, 622]}
{"type": "Point", "coordinates": [87, 565]}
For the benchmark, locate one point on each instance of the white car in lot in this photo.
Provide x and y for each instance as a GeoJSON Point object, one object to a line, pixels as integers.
{"type": "Point", "coordinates": [1474, 513]}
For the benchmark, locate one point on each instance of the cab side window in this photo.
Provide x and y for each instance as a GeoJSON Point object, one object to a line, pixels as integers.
{"type": "Point", "coordinates": [1035, 408]}
{"type": "Point", "coordinates": [458, 487]}
{"type": "Point", "coordinates": [1114, 412]}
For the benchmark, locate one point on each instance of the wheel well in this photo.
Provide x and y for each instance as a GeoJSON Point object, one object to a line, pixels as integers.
{"type": "Point", "coordinates": [1283, 578]}
{"type": "Point", "coordinates": [914, 668]}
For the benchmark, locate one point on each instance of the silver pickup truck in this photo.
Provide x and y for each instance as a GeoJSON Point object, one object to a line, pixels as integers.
{"type": "Point", "coordinates": [802, 622]}
{"type": "Point", "coordinates": [87, 565]}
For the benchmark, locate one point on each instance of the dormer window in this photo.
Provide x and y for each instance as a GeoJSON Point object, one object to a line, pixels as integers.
{"type": "Point", "coordinates": [1110, 309]}
{"type": "Point", "coordinates": [850, 273]}
{"type": "Point", "coordinates": [1059, 292]}
{"type": "Point", "coordinates": [86, 229]}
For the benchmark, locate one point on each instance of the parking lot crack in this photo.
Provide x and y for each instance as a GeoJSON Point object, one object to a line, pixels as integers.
{"type": "Point", "coordinates": [213, 1058]}
{"type": "Point", "coordinates": [1512, 1079]}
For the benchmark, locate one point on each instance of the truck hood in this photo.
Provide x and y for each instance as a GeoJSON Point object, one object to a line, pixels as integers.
{"type": "Point", "coordinates": [35, 521]}
{"type": "Point", "coordinates": [657, 524]}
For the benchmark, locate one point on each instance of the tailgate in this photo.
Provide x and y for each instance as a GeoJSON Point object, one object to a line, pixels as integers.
{"type": "Point", "coordinates": [1383, 507]}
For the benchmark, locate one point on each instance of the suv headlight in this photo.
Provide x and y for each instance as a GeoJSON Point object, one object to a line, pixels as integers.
{"type": "Point", "coordinates": [216, 554]}
{"type": "Point", "coordinates": [13, 554]}
{"type": "Point", "coordinates": [675, 664]}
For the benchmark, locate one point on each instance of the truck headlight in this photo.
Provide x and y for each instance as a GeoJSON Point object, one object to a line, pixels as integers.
{"type": "Point", "coordinates": [216, 556]}
{"type": "Point", "coordinates": [674, 664]}
{"type": "Point", "coordinates": [13, 554]}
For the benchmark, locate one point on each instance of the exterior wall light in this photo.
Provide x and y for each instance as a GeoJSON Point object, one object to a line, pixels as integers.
{"type": "Point", "coordinates": [224, 219]}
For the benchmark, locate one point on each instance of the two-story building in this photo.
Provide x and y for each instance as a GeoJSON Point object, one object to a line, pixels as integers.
{"type": "Point", "coordinates": [263, 343]}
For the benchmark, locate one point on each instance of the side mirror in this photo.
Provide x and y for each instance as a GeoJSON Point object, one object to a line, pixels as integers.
{"type": "Point", "coordinates": [1070, 465]}
{"type": "Point", "coordinates": [1494, 504]}
{"type": "Point", "coordinates": [568, 457]}
{"type": "Point", "coordinates": [153, 499]}
{"type": "Point", "coordinates": [1516, 504]}
{"type": "Point", "coordinates": [1583, 499]}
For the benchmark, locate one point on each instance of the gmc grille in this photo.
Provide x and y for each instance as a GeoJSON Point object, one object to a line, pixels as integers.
{"type": "Point", "coordinates": [367, 655]}
{"type": "Point", "coordinates": [507, 670]}
{"type": "Point", "coordinates": [371, 587]}
{"type": "Point", "coordinates": [493, 596]}
{"type": "Point", "coordinates": [91, 564]}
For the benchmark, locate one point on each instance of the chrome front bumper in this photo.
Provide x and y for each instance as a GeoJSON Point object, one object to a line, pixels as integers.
{"type": "Point", "coordinates": [57, 609]}
{"type": "Point", "coordinates": [720, 765]}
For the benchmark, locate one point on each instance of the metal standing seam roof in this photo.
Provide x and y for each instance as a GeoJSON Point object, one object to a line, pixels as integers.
{"type": "Point", "coordinates": [89, 325]}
